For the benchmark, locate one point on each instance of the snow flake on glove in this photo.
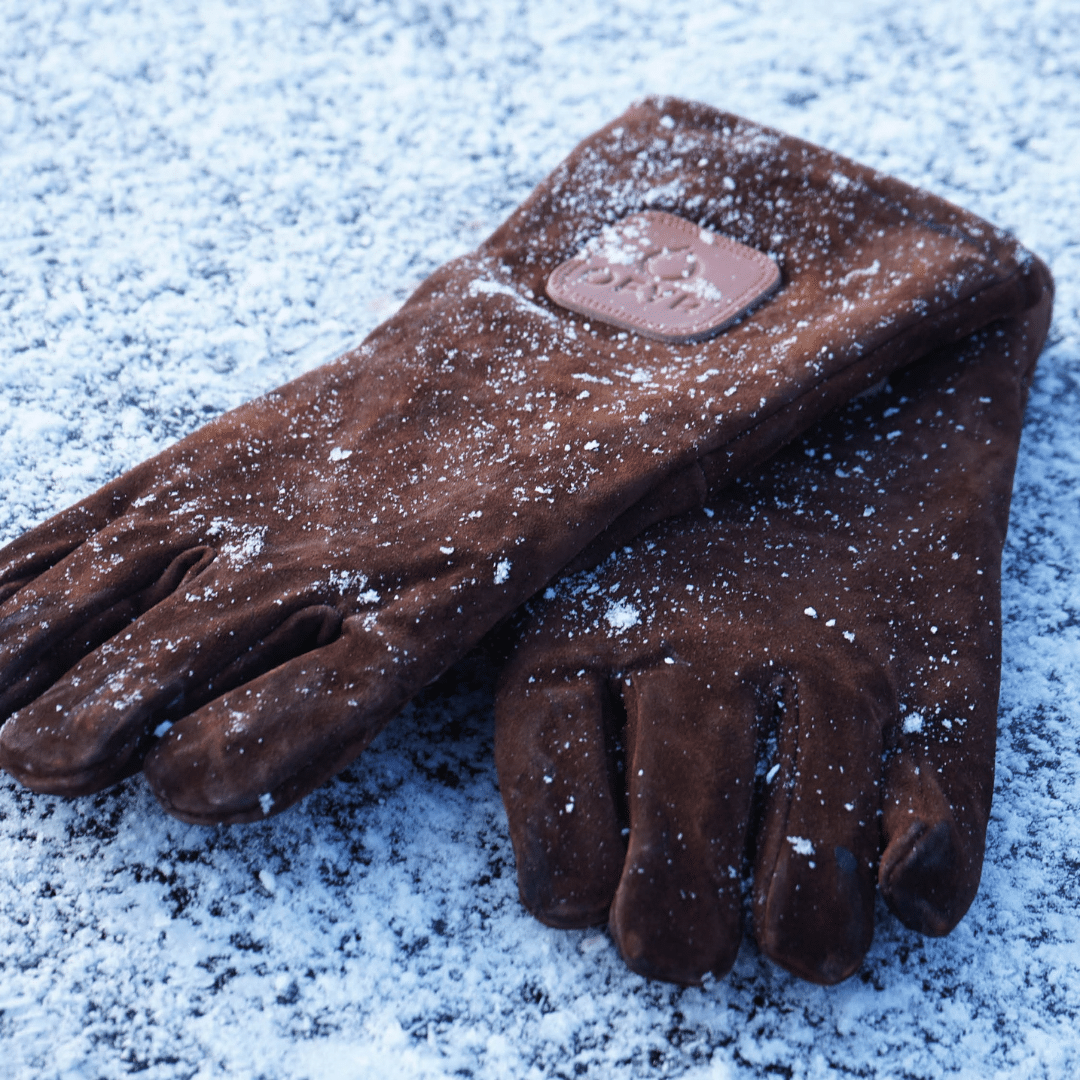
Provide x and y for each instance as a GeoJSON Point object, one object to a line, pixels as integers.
{"type": "Point", "coordinates": [621, 615]}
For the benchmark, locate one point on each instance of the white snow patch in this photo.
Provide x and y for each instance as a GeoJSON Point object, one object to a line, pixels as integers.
{"type": "Point", "coordinates": [913, 723]}
{"type": "Point", "coordinates": [866, 271]}
{"type": "Point", "coordinates": [243, 542]}
{"type": "Point", "coordinates": [478, 286]}
{"type": "Point", "coordinates": [346, 580]}
{"type": "Point", "coordinates": [621, 615]}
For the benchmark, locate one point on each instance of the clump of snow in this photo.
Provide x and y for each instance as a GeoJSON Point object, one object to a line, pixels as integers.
{"type": "Point", "coordinates": [242, 542]}
{"type": "Point", "coordinates": [913, 723]}
{"type": "Point", "coordinates": [621, 615]}
{"type": "Point", "coordinates": [347, 580]}
{"type": "Point", "coordinates": [493, 288]}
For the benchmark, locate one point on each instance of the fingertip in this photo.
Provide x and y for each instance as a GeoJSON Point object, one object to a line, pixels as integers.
{"type": "Point", "coordinates": [676, 939]}
{"type": "Point", "coordinates": [555, 778]}
{"type": "Point", "coordinates": [926, 879]}
{"type": "Point", "coordinates": [816, 916]}
{"type": "Point", "coordinates": [561, 892]}
{"type": "Point", "coordinates": [935, 814]}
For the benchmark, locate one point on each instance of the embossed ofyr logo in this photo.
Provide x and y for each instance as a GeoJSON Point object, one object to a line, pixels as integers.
{"type": "Point", "coordinates": [663, 277]}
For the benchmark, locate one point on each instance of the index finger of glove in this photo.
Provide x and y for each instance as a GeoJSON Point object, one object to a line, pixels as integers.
{"type": "Point", "coordinates": [44, 546]}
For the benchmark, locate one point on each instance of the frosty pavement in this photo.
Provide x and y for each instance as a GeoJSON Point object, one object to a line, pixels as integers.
{"type": "Point", "coordinates": [199, 201]}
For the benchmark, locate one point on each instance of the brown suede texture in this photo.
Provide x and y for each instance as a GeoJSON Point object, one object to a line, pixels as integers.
{"type": "Point", "coordinates": [795, 688]}
{"type": "Point", "coordinates": [279, 583]}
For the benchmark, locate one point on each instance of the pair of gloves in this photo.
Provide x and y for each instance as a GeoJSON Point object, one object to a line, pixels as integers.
{"type": "Point", "coordinates": [793, 668]}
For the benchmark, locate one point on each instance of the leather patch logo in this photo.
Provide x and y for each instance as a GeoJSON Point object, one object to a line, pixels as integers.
{"type": "Point", "coordinates": [663, 277]}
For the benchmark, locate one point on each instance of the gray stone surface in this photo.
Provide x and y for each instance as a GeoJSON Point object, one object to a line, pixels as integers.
{"type": "Point", "coordinates": [199, 200]}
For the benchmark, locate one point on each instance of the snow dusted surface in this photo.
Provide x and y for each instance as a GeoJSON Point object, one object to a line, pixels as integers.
{"type": "Point", "coordinates": [200, 200]}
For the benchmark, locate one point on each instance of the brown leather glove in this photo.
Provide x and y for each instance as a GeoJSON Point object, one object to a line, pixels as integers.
{"type": "Point", "coordinates": [801, 679]}
{"type": "Point", "coordinates": [279, 583]}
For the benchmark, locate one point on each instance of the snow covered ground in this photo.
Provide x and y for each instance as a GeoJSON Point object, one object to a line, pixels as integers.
{"type": "Point", "coordinates": [198, 200]}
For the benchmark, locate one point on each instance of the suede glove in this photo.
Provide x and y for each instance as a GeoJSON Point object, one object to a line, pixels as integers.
{"type": "Point", "coordinates": [798, 683]}
{"type": "Point", "coordinates": [243, 613]}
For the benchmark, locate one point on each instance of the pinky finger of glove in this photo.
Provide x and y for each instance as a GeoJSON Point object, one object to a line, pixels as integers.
{"type": "Point", "coordinates": [936, 805]}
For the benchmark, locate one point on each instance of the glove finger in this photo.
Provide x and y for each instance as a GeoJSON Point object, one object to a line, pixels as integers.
{"type": "Point", "coordinates": [939, 776]}
{"type": "Point", "coordinates": [84, 732]}
{"type": "Point", "coordinates": [558, 783]}
{"type": "Point", "coordinates": [936, 804]}
{"type": "Point", "coordinates": [51, 611]}
{"type": "Point", "coordinates": [42, 547]}
{"type": "Point", "coordinates": [55, 657]}
{"type": "Point", "coordinates": [262, 746]}
{"type": "Point", "coordinates": [690, 763]}
{"type": "Point", "coordinates": [813, 906]}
